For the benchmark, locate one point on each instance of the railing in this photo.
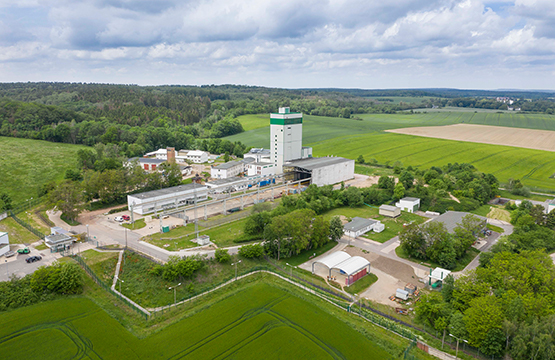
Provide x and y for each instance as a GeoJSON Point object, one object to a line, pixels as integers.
{"type": "Point", "coordinates": [26, 225]}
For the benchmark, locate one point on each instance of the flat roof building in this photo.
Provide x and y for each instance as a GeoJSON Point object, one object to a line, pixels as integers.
{"type": "Point", "coordinates": [227, 170]}
{"type": "Point", "coordinates": [168, 198]}
{"type": "Point", "coordinates": [58, 242]}
{"type": "Point", "coordinates": [452, 218]}
{"type": "Point", "coordinates": [389, 211]}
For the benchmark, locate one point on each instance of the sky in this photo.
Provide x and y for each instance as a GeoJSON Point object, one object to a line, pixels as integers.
{"type": "Point", "coordinates": [370, 44]}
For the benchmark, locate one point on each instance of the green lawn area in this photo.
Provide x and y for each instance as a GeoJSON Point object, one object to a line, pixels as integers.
{"type": "Point", "coordinates": [372, 170]}
{"type": "Point", "coordinates": [461, 264]}
{"type": "Point", "coordinates": [138, 224]}
{"type": "Point", "coordinates": [508, 195]}
{"type": "Point", "coordinates": [28, 164]}
{"type": "Point", "coordinates": [306, 255]}
{"type": "Point", "coordinates": [495, 228]}
{"type": "Point", "coordinates": [230, 234]}
{"type": "Point", "coordinates": [482, 210]}
{"type": "Point", "coordinates": [362, 284]}
{"type": "Point", "coordinates": [102, 263]}
{"type": "Point", "coordinates": [350, 138]}
{"type": "Point", "coordinates": [17, 233]}
{"type": "Point", "coordinates": [41, 247]}
{"type": "Point", "coordinates": [33, 220]}
{"type": "Point", "coordinates": [262, 319]}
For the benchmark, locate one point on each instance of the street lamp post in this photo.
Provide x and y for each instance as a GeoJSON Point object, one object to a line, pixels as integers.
{"type": "Point", "coordinates": [457, 350]}
{"type": "Point", "coordinates": [7, 271]}
{"type": "Point", "coordinates": [236, 268]}
{"type": "Point", "coordinates": [120, 281]}
{"type": "Point", "coordinates": [174, 292]}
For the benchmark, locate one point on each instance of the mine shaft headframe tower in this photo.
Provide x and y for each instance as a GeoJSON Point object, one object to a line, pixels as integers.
{"type": "Point", "coordinates": [286, 137]}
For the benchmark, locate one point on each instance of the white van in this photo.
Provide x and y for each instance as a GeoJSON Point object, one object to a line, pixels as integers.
{"type": "Point", "coordinates": [118, 219]}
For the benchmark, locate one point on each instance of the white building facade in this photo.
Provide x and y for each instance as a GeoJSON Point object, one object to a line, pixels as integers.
{"type": "Point", "coordinates": [227, 170]}
{"type": "Point", "coordinates": [4, 243]}
{"type": "Point", "coordinates": [195, 156]}
{"type": "Point", "coordinates": [260, 169]}
{"type": "Point", "coordinates": [409, 204]}
{"type": "Point", "coordinates": [168, 198]}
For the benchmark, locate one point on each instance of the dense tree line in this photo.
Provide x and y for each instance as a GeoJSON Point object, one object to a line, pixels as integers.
{"type": "Point", "coordinates": [546, 106]}
{"type": "Point", "coordinates": [46, 283]}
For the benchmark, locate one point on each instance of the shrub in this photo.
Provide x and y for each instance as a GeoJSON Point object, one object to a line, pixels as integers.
{"type": "Point", "coordinates": [251, 251]}
{"type": "Point", "coordinates": [222, 256]}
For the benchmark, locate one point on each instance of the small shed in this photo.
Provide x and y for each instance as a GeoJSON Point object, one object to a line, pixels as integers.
{"type": "Point", "coordinates": [438, 275]}
{"type": "Point", "coordinates": [389, 211]}
{"type": "Point", "coordinates": [379, 227]}
{"type": "Point", "coordinates": [402, 294]}
{"type": "Point", "coordinates": [203, 240]}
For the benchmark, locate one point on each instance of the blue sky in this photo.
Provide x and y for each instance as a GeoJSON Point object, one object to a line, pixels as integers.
{"type": "Point", "coordinates": [282, 43]}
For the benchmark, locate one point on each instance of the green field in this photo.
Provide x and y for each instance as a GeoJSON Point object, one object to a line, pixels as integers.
{"type": "Point", "coordinates": [259, 321]}
{"type": "Point", "coordinates": [28, 164]}
{"type": "Point", "coordinates": [351, 138]}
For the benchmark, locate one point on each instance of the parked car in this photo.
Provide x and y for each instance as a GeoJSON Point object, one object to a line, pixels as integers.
{"type": "Point", "coordinates": [9, 254]}
{"type": "Point", "coordinates": [23, 251]}
{"type": "Point", "coordinates": [32, 259]}
{"type": "Point", "coordinates": [126, 217]}
{"type": "Point", "coordinates": [118, 219]}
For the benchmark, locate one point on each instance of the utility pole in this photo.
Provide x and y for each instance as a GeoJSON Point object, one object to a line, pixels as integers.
{"type": "Point", "coordinates": [174, 292]}
{"type": "Point", "coordinates": [236, 268]}
{"type": "Point", "coordinates": [196, 218]}
{"type": "Point", "coordinates": [457, 351]}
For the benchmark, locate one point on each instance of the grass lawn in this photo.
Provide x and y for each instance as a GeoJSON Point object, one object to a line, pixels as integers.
{"type": "Point", "coordinates": [32, 219]}
{"type": "Point", "coordinates": [362, 284]}
{"type": "Point", "coordinates": [372, 170]}
{"type": "Point", "coordinates": [306, 255]}
{"type": "Point", "coordinates": [151, 290]}
{"type": "Point", "coordinates": [495, 228]}
{"type": "Point", "coordinates": [499, 214]}
{"type": "Point", "coordinates": [102, 263]}
{"type": "Point", "coordinates": [41, 247]}
{"type": "Point", "coordinates": [28, 164]}
{"type": "Point", "coordinates": [229, 234]}
{"type": "Point", "coordinates": [482, 210]}
{"type": "Point", "coordinates": [508, 195]}
{"type": "Point", "coordinates": [461, 264]}
{"type": "Point", "coordinates": [263, 319]}
{"type": "Point", "coordinates": [138, 224]}
{"type": "Point", "coordinates": [361, 211]}
{"type": "Point", "coordinates": [17, 233]}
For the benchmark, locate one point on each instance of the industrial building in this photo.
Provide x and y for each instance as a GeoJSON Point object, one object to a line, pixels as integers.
{"type": "Point", "coordinates": [227, 170]}
{"type": "Point", "coordinates": [409, 204]}
{"type": "Point", "coordinates": [322, 171]}
{"type": "Point", "coordinates": [59, 242]}
{"type": "Point", "coordinates": [168, 198]}
{"type": "Point", "coordinates": [350, 267]}
{"type": "Point", "coordinates": [4, 243]}
{"type": "Point", "coordinates": [195, 156]}
{"type": "Point", "coordinates": [260, 169]}
{"type": "Point", "coordinates": [451, 219]}
{"type": "Point", "coordinates": [359, 226]}
{"type": "Point", "coordinates": [148, 164]}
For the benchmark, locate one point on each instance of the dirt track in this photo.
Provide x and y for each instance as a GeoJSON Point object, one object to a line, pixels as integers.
{"type": "Point", "coordinates": [485, 134]}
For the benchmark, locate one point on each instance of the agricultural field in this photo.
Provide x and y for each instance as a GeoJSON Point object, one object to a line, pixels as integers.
{"type": "Point", "coordinates": [259, 320]}
{"type": "Point", "coordinates": [485, 134]}
{"type": "Point", "coordinates": [28, 164]}
{"type": "Point", "coordinates": [351, 138]}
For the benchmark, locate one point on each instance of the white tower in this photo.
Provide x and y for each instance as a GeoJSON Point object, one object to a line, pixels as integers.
{"type": "Point", "coordinates": [286, 137]}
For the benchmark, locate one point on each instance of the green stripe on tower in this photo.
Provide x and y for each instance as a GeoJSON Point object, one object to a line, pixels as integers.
{"type": "Point", "coordinates": [286, 121]}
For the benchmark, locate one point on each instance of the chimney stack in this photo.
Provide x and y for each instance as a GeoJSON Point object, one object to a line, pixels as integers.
{"type": "Point", "coordinates": [170, 155]}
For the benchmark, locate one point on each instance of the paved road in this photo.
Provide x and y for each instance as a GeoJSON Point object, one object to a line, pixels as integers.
{"type": "Point", "coordinates": [16, 265]}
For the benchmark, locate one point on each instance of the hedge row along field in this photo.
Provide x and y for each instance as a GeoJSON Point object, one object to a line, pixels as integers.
{"type": "Point", "coordinates": [351, 138]}
{"type": "Point", "coordinates": [261, 321]}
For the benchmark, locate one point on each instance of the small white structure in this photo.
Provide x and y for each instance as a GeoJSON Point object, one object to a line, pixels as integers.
{"type": "Point", "coordinates": [56, 230]}
{"type": "Point", "coordinates": [389, 211]}
{"type": "Point", "coordinates": [260, 169]}
{"type": "Point", "coordinates": [409, 204]}
{"type": "Point", "coordinates": [195, 156]}
{"type": "Point", "coordinates": [4, 243]}
{"type": "Point", "coordinates": [58, 242]}
{"type": "Point", "coordinates": [203, 240]}
{"type": "Point", "coordinates": [359, 226]}
{"type": "Point", "coordinates": [227, 170]}
{"type": "Point", "coordinates": [161, 154]}
{"type": "Point", "coordinates": [402, 294]}
{"type": "Point", "coordinates": [168, 198]}
{"type": "Point", "coordinates": [438, 275]}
